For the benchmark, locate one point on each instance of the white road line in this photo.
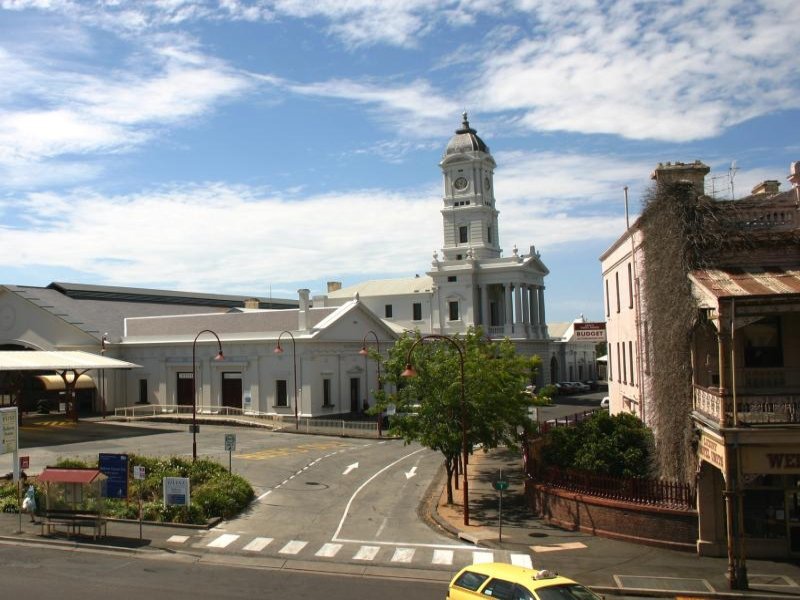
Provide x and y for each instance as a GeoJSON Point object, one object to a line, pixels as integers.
{"type": "Point", "coordinates": [410, 544]}
{"type": "Point", "coordinates": [177, 539]}
{"type": "Point", "coordinates": [328, 550]}
{"type": "Point", "coordinates": [362, 486]}
{"type": "Point", "coordinates": [381, 528]}
{"type": "Point", "coordinates": [223, 541]}
{"type": "Point", "coordinates": [265, 494]}
{"type": "Point", "coordinates": [258, 544]}
{"type": "Point", "coordinates": [366, 553]}
{"type": "Point", "coordinates": [403, 555]}
{"type": "Point", "coordinates": [482, 557]}
{"type": "Point", "coordinates": [522, 560]}
{"type": "Point", "coordinates": [442, 557]}
{"type": "Point", "coordinates": [293, 547]}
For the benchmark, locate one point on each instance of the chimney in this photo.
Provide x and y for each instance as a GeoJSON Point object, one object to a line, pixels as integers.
{"type": "Point", "coordinates": [302, 315]}
{"type": "Point", "coordinates": [334, 286]}
{"type": "Point", "coordinates": [252, 303]}
{"type": "Point", "coordinates": [693, 173]}
{"type": "Point", "coordinates": [766, 188]}
{"type": "Point", "coordinates": [794, 178]}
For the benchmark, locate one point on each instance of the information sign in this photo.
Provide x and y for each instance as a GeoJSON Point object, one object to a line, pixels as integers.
{"type": "Point", "coordinates": [24, 462]}
{"type": "Point", "coordinates": [138, 472]}
{"type": "Point", "coordinates": [8, 443]}
{"type": "Point", "coordinates": [230, 442]}
{"type": "Point", "coordinates": [115, 467]}
{"type": "Point", "coordinates": [500, 485]}
{"type": "Point", "coordinates": [176, 491]}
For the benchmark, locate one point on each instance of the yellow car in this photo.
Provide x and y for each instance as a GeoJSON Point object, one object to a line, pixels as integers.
{"type": "Point", "coordinates": [509, 582]}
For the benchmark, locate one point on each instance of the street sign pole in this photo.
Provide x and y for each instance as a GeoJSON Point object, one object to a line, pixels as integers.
{"type": "Point", "coordinates": [500, 485]}
{"type": "Point", "coordinates": [230, 446]}
{"type": "Point", "coordinates": [9, 442]}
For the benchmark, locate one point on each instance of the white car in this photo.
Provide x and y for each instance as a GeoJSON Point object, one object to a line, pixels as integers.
{"type": "Point", "coordinates": [605, 402]}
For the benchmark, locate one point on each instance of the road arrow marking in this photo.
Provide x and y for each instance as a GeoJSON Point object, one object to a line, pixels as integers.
{"type": "Point", "coordinates": [411, 473]}
{"type": "Point", "coordinates": [350, 468]}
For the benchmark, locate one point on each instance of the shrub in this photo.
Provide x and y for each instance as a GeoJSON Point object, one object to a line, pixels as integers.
{"type": "Point", "coordinates": [214, 491]}
{"type": "Point", "coordinates": [618, 445]}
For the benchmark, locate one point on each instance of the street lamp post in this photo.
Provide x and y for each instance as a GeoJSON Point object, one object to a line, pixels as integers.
{"type": "Point", "coordinates": [410, 372]}
{"type": "Point", "coordinates": [279, 350]}
{"type": "Point", "coordinates": [363, 352]}
{"type": "Point", "coordinates": [219, 356]}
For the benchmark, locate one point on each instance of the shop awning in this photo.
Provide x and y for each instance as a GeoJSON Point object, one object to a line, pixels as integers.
{"type": "Point", "coordinates": [55, 383]}
{"type": "Point", "coordinates": [43, 360]}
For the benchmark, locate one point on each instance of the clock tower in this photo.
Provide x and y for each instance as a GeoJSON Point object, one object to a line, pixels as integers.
{"type": "Point", "coordinates": [469, 214]}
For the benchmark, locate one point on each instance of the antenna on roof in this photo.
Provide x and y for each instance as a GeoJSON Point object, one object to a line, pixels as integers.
{"type": "Point", "coordinates": [731, 176]}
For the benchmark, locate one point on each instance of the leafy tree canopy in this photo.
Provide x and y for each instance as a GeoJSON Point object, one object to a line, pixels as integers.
{"type": "Point", "coordinates": [428, 406]}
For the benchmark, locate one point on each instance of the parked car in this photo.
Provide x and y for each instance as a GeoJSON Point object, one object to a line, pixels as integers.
{"type": "Point", "coordinates": [565, 387]}
{"type": "Point", "coordinates": [580, 387]}
{"type": "Point", "coordinates": [501, 580]}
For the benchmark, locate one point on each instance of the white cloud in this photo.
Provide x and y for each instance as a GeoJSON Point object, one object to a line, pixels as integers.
{"type": "Point", "coordinates": [678, 72]}
{"type": "Point", "coordinates": [222, 237]}
{"type": "Point", "coordinates": [51, 107]}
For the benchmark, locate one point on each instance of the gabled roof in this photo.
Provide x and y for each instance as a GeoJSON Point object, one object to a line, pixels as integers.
{"type": "Point", "coordinates": [65, 475]}
{"type": "Point", "coordinates": [97, 310]}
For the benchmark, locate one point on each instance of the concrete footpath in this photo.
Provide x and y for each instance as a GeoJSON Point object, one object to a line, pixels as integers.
{"type": "Point", "coordinates": [608, 566]}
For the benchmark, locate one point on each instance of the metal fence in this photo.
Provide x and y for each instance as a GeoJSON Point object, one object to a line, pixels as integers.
{"type": "Point", "coordinates": [654, 492]}
{"type": "Point", "coordinates": [342, 427]}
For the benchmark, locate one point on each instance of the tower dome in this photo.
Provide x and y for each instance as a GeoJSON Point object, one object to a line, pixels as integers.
{"type": "Point", "coordinates": [465, 140]}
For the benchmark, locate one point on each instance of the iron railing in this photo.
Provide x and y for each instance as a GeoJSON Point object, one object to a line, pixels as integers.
{"type": "Point", "coordinates": [343, 427]}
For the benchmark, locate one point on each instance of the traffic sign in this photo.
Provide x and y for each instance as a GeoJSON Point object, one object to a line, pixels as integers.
{"type": "Point", "coordinates": [500, 485]}
{"type": "Point", "coordinates": [230, 442]}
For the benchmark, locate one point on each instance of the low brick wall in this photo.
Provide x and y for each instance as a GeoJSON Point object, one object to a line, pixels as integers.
{"type": "Point", "coordinates": [663, 527]}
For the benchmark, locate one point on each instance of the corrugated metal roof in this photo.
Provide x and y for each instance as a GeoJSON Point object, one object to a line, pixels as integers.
{"type": "Point", "coordinates": [41, 360]}
{"type": "Point", "coordinates": [769, 281]}
{"type": "Point", "coordinates": [63, 475]}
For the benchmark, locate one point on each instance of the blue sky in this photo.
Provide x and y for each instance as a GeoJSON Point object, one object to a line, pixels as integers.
{"type": "Point", "coordinates": [261, 146]}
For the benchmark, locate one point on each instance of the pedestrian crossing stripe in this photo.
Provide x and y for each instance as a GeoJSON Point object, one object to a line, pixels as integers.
{"type": "Point", "coordinates": [328, 550]}
{"type": "Point", "coordinates": [293, 547]}
{"type": "Point", "coordinates": [365, 552]}
{"type": "Point", "coordinates": [223, 541]}
{"type": "Point", "coordinates": [38, 424]}
{"type": "Point", "coordinates": [258, 544]}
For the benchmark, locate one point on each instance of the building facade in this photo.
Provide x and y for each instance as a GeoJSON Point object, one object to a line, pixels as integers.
{"type": "Point", "coordinates": [744, 360]}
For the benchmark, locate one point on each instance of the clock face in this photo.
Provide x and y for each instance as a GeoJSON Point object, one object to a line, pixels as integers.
{"type": "Point", "coordinates": [461, 183]}
{"type": "Point", "coordinates": [487, 183]}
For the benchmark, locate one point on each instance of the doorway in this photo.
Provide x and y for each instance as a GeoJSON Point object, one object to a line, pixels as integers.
{"type": "Point", "coordinates": [185, 389]}
{"type": "Point", "coordinates": [793, 521]}
{"type": "Point", "coordinates": [232, 390]}
{"type": "Point", "coordinates": [355, 393]}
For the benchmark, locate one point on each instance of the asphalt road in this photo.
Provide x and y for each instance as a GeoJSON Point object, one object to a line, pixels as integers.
{"type": "Point", "coordinates": [76, 575]}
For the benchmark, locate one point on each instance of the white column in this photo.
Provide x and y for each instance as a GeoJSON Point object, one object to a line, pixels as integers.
{"type": "Point", "coordinates": [526, 315]}
{"type": "Point", "coordinates": [542, 316]}
{"type": "Point", "coordinates": [518, 307]}
{"type": "Point", "coordinates": [485, 321]}
{"type": "Point", "coordinates": [509, 316]}
{"type": "Point", "coordinates": [535, 310]}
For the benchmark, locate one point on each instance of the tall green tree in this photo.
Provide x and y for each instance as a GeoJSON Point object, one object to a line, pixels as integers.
{"type": "Point", "coordinates": [428, 407]}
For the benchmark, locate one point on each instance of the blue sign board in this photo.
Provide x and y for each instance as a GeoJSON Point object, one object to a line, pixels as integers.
{"type": "Point", "coordinates": [115, 467]}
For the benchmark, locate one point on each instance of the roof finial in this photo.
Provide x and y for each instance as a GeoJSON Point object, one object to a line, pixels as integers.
{"type": "Point", "coordinates": [465, 122]}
